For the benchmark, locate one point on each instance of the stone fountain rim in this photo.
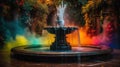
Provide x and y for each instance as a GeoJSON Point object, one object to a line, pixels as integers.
{"type": "Point", "coordinates": [21, 50]}
{"type": "Point", "coordinates": [61, 27]}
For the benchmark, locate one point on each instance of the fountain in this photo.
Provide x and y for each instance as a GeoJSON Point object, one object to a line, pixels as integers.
{"type": "Point", "coordinates": [60, 31]}
{"type": "Point", "coordinates": [60, 50]}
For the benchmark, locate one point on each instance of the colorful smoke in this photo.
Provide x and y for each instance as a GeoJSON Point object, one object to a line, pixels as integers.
{"type": "Point", "coordinates": [17, 31]}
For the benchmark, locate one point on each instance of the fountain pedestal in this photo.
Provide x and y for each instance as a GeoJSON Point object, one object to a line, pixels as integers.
{"type": "Point", "coordinates": [60, 43]}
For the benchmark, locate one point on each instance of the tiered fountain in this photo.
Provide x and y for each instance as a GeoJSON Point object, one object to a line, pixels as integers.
{"type": "Point", "coordinates": [60, 50]}
{"type": "Point", "coordinates": [60, 31]}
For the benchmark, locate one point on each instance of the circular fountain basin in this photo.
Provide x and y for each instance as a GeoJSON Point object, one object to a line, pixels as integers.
{"type": "Point", "coordinates": [44, 54]}
{"type": "Point", "coordinates": [56, 30]}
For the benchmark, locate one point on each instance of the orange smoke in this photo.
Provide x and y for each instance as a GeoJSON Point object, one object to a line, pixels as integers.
{"type": "Point", "coordinates": [79, 38]}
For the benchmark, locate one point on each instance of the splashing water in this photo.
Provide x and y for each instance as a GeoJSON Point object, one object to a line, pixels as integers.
{"type": "Point", "coordinates": [60, 14]}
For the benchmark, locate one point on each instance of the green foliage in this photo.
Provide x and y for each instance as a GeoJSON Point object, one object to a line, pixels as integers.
{"type": "Point", "coordinates": [36, 9]}
{"type": "Point", "coordinates": [28, 5]}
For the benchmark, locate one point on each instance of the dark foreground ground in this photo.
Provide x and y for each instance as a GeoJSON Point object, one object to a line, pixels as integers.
{"type": "Point", "coordinates": [7, 61]}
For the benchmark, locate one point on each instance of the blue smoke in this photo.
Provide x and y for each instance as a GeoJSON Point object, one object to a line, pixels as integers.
{"type": "Point", "coordinates": [9, 29]}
